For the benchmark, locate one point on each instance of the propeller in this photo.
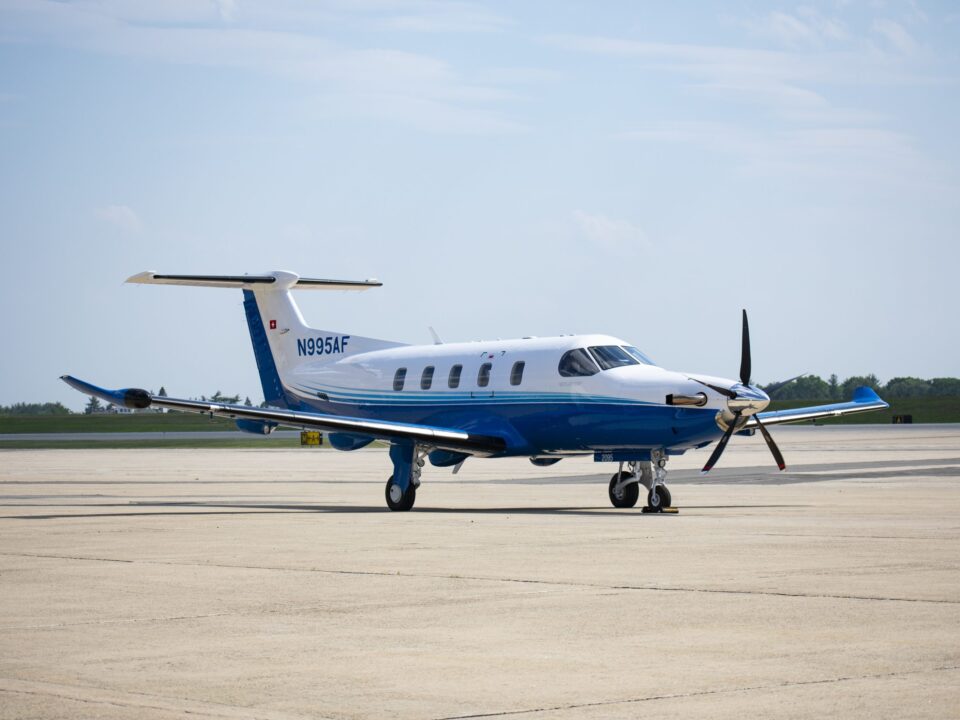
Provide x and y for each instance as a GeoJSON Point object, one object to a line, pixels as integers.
{"type": "Point", "coordinates": [741, 404]}
{"type": "Point", "coordinates": [722, 390]}
{"type": "Point", "coordinates": [718, 450]}
{"type": "Point", "coordinates": [773, 387]}
{"type": "Point", "coordinates": [745, 351]}
{"type": "Point", "coordinates": [774, 450]}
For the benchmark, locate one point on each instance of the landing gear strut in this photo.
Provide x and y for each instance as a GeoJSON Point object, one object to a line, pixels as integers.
{"type": "Point", "coordinates": [624, 488]}
{"type": "Point", "coordinates": [658, 496]}
{"type": "Point", "coordinates": [408, 460]}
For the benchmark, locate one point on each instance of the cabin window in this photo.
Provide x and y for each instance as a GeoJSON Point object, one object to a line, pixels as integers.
{"type": "Point", "coordinates": [483, 376]}
{"type": "Point", "coordinates": [516, 373]}
{"type": "Point", "coordinates": [399, 377]}
{"type": "Point", "coordinates": [577, 363]}
{"type": "Point", "coordinates": [612, 356]}
{"type": "Point", "coordinates": [640, 357]}
{"type": "Point", "coordinates": [453, 381]}
{"type": "Point", "coordinates": [426, 379]}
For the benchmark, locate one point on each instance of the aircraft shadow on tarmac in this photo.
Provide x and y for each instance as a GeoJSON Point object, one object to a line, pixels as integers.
{"type": "Point", "coordinates": [184, 508]}
{"type": "Point", "coordinates": [878, 470]}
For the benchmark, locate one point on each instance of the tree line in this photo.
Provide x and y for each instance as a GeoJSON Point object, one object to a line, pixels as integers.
{"type": "Point", "coordinates": [814, 387]}
{"type": "Point", "coordinates": [95, 406]}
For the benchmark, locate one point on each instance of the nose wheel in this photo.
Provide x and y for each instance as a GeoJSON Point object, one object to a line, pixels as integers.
{"type": "Point", "coordinates": [658, 498]}
{"type": "Point", "coordinates": [624, 489]}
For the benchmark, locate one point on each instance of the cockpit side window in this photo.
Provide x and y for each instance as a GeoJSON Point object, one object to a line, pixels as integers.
{"type": "Point", "coordinates": [640, 357]}
{"type": "Point", "coordinates": [611, 356]}
{"type": "Point", "coordinates": [577, 363]}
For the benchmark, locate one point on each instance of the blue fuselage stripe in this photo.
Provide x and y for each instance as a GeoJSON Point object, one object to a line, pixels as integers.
{"type": "Point", "coordinates": [533, 427]}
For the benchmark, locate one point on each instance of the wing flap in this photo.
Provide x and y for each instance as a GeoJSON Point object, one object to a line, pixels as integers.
{"type": "Point", "coordinates": [436, 437]}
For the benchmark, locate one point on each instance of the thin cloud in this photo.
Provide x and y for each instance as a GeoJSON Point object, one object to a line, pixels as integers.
{"type": "Point", "coordinates": [227, 9]}
{"type": "Point", "coordinates": [120, 216]}
{"type": "Point", "coordinates": [610, 235]}
{"type": "Point", "coordinates": [864, 154]}
{"type": "Point", "coordinates": [805, 26]}
{"type": "Point", "coordinates": [436, 17]}
{"type": "Point", "coordinates": [407, 86]}
{"type": "Point", "coordinates": [896, 35]}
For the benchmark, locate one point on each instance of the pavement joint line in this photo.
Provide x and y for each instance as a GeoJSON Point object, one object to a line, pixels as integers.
{"type": "Point", "coordinates": [162, 702]}
{"type": "Point", "coordinates": [701, 693]}
{"type": "Point", "coordinates": [258, 611]}
{"type": "Point", "coordinates": [480, 578]}
{"type": "Point", "coordinates": [852, 537]}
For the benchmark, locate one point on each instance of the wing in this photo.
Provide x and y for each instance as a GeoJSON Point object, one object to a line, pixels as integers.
{"type": "Point", "coordinates": [864, 400]}
{"type": "Point", "coordinates": [436, 437]}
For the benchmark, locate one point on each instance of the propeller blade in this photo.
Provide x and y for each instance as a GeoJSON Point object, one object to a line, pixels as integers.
{"type": "Point", "coordinates": [745, 352]}
{"type": "Point", "coordinates": [718, 450]}
{"type": "Point", "coordinates": [722, 390]}
{"type": "Point", "coordinates": [773, 387]}
{"type": "Point", "coordinates": [774, 450]}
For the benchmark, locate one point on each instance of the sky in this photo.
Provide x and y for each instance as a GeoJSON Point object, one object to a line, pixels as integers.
{"type": "Point", "coordinates": [641, 169]}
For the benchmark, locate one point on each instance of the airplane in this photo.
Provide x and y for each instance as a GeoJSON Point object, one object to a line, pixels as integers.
{"type": "Point", "coordinates": [542, 398]}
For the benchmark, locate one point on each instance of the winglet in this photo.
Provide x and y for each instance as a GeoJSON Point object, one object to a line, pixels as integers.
{"type": "Point", "coordinates": [864, 394]}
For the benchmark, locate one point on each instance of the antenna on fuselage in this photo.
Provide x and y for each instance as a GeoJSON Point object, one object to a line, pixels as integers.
{"type": "Point", "coordinates": [436, 337]}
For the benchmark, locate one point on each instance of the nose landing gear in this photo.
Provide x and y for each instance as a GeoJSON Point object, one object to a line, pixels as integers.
{"type": "Point", "coordinates": [624, 487]}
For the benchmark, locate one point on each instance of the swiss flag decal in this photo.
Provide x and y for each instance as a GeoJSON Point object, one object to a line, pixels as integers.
{"type": "Point", "coordinates": [273, 324]}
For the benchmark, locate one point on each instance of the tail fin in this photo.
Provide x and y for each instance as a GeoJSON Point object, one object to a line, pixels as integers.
{"type": "Point", "coordinates": [281, 339]}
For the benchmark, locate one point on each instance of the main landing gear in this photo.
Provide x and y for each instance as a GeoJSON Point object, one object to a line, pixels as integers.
{"type": "Point", "coordinates": [624, 488]}
{"type": "Point", "coordinates": [401, 490]}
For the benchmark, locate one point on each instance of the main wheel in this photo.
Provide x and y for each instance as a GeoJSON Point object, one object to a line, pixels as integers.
{"type": "Point", "coordinates": [627, 495]}
{"type": "Point", "coordinates": [397, 499]}
{"type": "Point", "coordinates": [663, 498]}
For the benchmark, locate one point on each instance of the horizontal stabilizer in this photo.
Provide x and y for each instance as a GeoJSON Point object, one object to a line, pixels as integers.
{"type": "Point", "coordinates": [278, 279]}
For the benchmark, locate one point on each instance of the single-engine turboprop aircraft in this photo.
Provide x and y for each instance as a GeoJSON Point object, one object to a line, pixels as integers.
{"type": "Point", "coordinates": [541, 398]}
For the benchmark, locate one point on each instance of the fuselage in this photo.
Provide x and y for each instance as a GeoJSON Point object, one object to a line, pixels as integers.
{"type": "Point", "coordinates": [547, 396]}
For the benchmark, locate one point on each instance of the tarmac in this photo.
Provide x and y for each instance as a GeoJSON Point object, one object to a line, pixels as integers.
{"type": "Point", "coordinates": [275, 584]}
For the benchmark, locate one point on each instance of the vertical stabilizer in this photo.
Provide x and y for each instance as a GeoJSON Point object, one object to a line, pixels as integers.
{"type": "Point", "coordinates": [282, 341]}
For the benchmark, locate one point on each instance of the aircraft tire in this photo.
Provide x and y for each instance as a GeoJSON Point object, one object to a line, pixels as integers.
{"type": "Point", "coordinates": [396, 501]}
{"type": "Point", "coordinates": [663, 498]}
{"type": "Point", "coordinates": [628, 495]}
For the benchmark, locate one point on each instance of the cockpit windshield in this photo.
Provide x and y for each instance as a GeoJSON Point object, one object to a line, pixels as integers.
{"type": "Point", "coordinates": [576, 363]}
{"type": "Point", "coordinates": [611, 356]}
{"type": "Point", "coordinates": [589, 361]}
{"type": "Point", "coordinates": [638, 355]}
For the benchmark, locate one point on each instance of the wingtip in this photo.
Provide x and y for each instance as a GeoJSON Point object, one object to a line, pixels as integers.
{"type": "Point", "coordinates": [141, 277]}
